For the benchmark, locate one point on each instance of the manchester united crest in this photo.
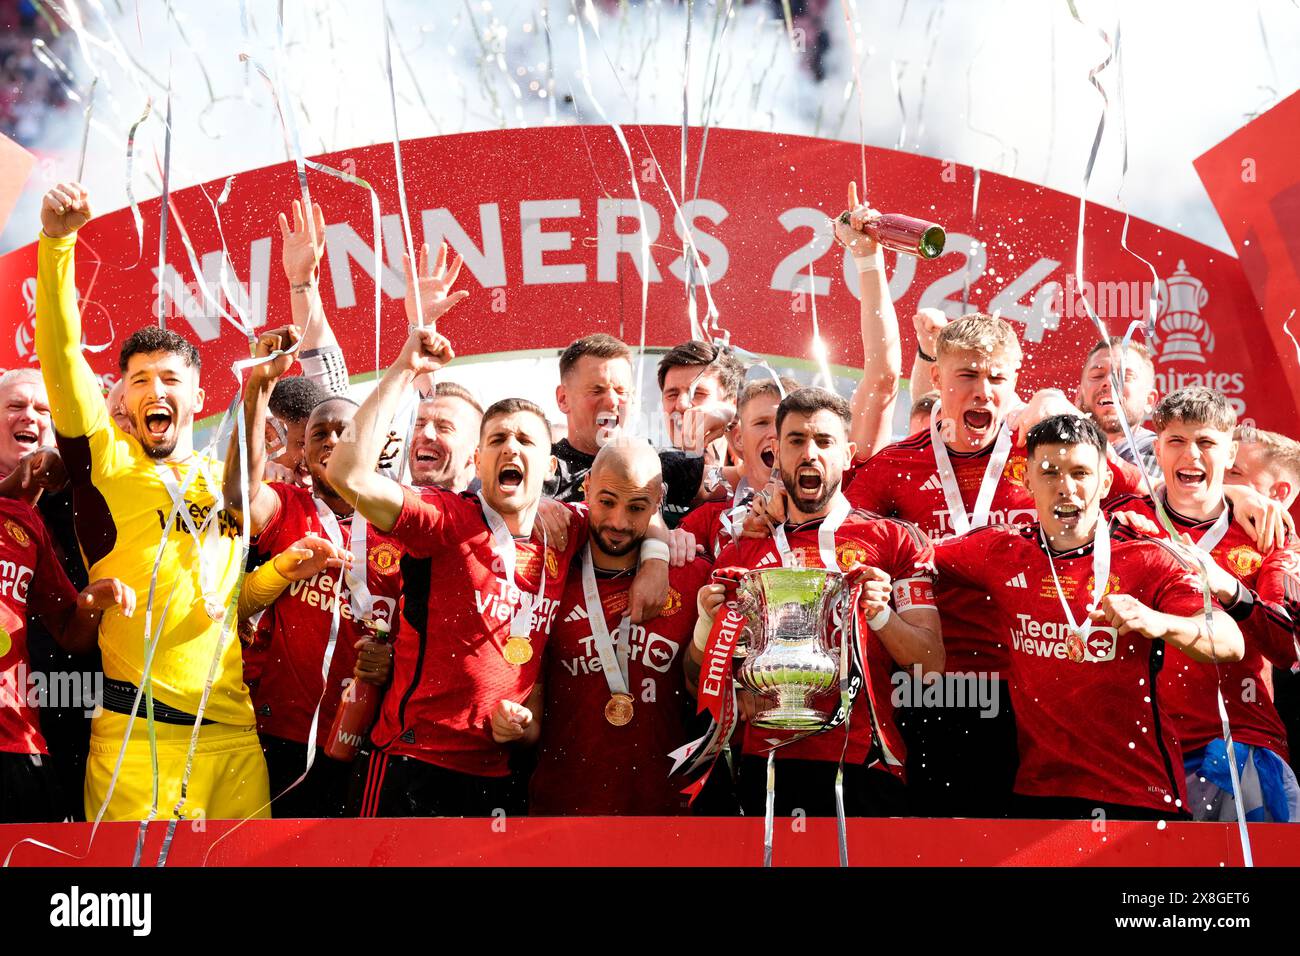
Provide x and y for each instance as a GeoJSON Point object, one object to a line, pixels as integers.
{"type": "Point", "coordinates": [672, 605]}
{"type": "Point", "coordinates": [15, 530]}
{"type": "Point", "coordinates": [1014, 471]}
{"type": "Point", "coordinates": [1112, 585]}
{"type": "Point", "coordinates": [1244, 560]}
{"type": "Point", "coordinates": [552, 563]}
{"type": "Point", "coordinates": [850, 553]}
{"type": "Point", "coordinates": [384, 558]}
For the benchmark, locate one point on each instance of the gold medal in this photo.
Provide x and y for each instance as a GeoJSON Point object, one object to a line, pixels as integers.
{"type": "Point", "coordinates": [518, 651]}
{"type": "Point", "coordinates": [618, 710]}
{"type": "Point", "coordinates": [1074, 647]}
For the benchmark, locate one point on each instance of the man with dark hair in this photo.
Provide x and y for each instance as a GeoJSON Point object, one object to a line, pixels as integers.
{"type": "Point", "coordinates": [716, 524]}
{"type": "Point", "coordinates": [895, 617]}
{"type": "Point", "coordinates": [1139, 397]}
{"type": "Point", "coordinates": [356, 608]}
{"type": "Point", "coordinates": [127, 489]}
{"type": "Point", "coordinates": [1088, 611]}
{"type": "Point", "coordinates": [1195, 447]}
{"type": "Point", "coordinates": [290, 403]}
{"type": "Point", "coordinates": [480, 596]}
{"type": "Point", "coordinates": [444, 438]}
{"type": "Point", "coordinates": [698, 384]}
{"type": "Point", "coordinates": [595, 386]}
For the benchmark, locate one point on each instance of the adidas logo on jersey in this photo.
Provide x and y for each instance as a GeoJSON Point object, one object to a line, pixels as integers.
{"type": "Point", "coordinates": [579, 613]}
{"type": "Point", "coordinates": [1018, 581]}
{"type": "Point", "coordinates": [932, 483]}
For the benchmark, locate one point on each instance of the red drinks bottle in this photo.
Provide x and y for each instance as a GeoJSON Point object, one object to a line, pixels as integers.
{"type": "Point", "coordinates": [905, 234]}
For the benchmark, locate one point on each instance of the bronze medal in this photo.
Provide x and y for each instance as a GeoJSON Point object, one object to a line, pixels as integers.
{"type": "Point", "coordinates": [618, 710]}
{"type": "Point", "coordinates": [518, 651]}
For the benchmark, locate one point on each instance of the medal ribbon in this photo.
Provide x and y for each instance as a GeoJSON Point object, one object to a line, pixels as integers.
{"type": "Point", "coordinates": [839, 510]}
{"type": "Point", "coordinates": [359, 596]}
{"type": "Point", "coordinates": [961, 520]}
{"type": "Point", "coordinates": [521, 624]}
{"type": "Point", "coordinates": [1100, 575]}
{"type": "Point", "coordinates": [612, 662]}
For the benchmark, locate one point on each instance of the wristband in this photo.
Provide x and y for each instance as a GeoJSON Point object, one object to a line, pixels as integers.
{"type": "Point", "coordinates": [920, 353]}
{"type": "Point", "coordinates": [652, 549]}
{"type": "Point", "coordinates": [1242, 604]}
{"type": "Point", "coordinates": [881, 619]}
{"type": "Point", "coordinates": [703, 626]}
{"type": "Point", "coordinates": [871, 263]}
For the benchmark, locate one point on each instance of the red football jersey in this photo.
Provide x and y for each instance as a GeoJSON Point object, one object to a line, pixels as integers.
{"type": "Point", "coordinates": [294, 631]}
{"type": "Point", "coordinates": [31, 582]}
{"type": "Point", "coordinates": [1091, 729]}
{"type": "Point", "coordinates": [449, 672]}
{"type": "Point", "coordinates": [901, 551]}
{"type": "Point", "coordinates": [711, 522]}
{"type": "Point", "coordinates": [902, 481]}
{"type": "Point", "coordinates": [1247, 683]}
{"type": "Point", "coordinates": [586, 766]}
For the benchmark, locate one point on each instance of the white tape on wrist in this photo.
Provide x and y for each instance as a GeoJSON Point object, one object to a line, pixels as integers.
{"type": "Point", "coordinates": [872, 263]}
{"type": "Point", "coordinates": [652, 549]}
{"type": "Point", "coordinates": [881, 618]}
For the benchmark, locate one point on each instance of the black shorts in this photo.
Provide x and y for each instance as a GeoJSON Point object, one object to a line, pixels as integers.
{"type": "Point", "coordinates": [960, 763]}
{"type": "Point", "coordinates": [384, 785]}
{"type": "Point", "coordinates": [29, 790]}
{"type": "Point", "coordinates": [809, 786]}
{"type": "Point", "coordinates": [323, 794]}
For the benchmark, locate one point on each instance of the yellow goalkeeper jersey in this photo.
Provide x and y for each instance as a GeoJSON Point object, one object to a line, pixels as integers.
{"type": "Point", "coordinates": [122, 505]}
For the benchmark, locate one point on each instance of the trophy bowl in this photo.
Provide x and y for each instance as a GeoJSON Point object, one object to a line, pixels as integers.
{"type": "Point", "coordinates": [792, 660]}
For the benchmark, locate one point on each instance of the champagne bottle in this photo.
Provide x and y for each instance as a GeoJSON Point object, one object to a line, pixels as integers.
{"type": "Point", "coordinates": [906, 235]}
{"type": "Point", "coordinates": [356, 713]}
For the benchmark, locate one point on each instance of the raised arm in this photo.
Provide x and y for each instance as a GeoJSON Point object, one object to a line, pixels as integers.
{"type": "Point", "coordinates": [76, 403]}
{"type": "Point", "coordinates": [262, 501]}
{"type": "Point", "coordinates": [351, 469]}
{"type": "Point", "coordinates": [1222, 642]}
{"type": "Point", "coordinates": [928, 323]}
{"type": "Point", "coordinates": [303, 246]}
{"type": "Point", "coordinates": [882, 354]}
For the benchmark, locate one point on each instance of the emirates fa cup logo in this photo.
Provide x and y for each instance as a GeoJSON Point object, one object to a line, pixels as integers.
{"type": "Point", "coordinates": [1181, 334]}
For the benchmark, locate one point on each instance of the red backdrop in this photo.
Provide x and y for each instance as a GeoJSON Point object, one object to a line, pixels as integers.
{"type": "Point", "coordinates": [543, 217]}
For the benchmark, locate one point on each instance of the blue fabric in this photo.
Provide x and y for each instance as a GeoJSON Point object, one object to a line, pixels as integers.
{"type": "Point", "coordinates": [1211, 762]}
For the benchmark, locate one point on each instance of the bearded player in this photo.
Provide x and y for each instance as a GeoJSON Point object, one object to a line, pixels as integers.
{"type": "Point", "coordinates": [1195, 448]}
{"type": "Point", "coordinates": [1090, 613]}
{"type": "Point", "coordinates": [614, 694]}
{"type": "Point", "coordinates": [127, 489]}
{"type": "Point", "coordinates": [896, 618]}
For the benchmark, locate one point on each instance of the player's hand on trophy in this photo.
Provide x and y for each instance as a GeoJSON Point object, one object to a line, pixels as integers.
{"type": "Point", "coordinates": [850, 234]}
{"type": "Point", "coordinates": [1128, 615]}
{"type": "Point", "coordinates": [928, 323]}
{"type": "Point", "coordinates": [709, 599]}
{"type": "Point", "coordinates": [104, 593]}
{"type": "Point", "coordinates": [280, 343]}
{"type": "Point", "coordinates": [509, 721]}
{"type": "Point", "coordinates": [553, 522]}
{"type": "Point", "coordinates": [746, 704]}
{"type": "Point", "coordinates": [1265, 520]}
{"type": "Point", "coordinates": [374, 661]}
{"type": "Point", "coordinates": [64, 210]}
{"type": "Point", "coordinates": [875, 587]}
{"type": "Point", "coordinates": [303, 244]}
{"type": "Point", "coordinates": [309, 556]}
{"type": "Point", "coordinates": [434, 283]}
{"type": "Point", "coordinates": [425, 351]}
